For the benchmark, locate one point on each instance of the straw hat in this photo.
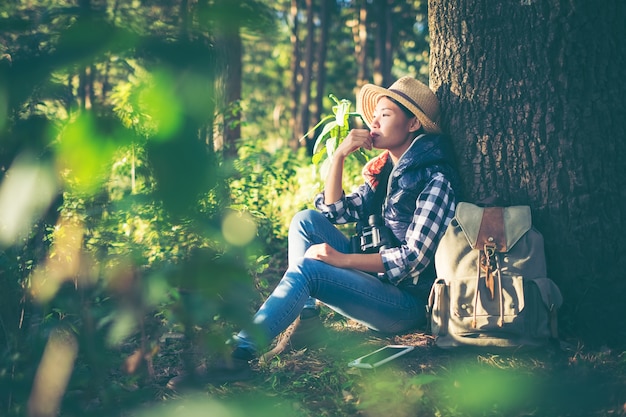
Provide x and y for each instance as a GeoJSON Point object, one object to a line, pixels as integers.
{"type": "Point", "coordinates": [413, 94]}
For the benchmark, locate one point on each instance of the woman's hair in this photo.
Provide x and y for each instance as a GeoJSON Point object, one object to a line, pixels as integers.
{"type": "Point", "coordinates": [409, 114]}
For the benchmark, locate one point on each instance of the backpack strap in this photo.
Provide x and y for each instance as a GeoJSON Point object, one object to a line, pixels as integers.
{"type": "Point", "coordinates": [491, 232]}
{"type": "Point", "coordinates": [490, 241]}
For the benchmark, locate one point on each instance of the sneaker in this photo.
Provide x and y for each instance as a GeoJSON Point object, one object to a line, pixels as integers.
{"type": "Point", "coordinates": [308, 333]}
{"type": "Point", "coordinates": [231, 369]}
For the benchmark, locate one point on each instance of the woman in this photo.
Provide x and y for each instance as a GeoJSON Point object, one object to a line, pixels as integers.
{"type": "Point", "coordinates": [411, 185]}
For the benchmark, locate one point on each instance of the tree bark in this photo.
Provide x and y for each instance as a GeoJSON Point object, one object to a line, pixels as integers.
{"type": "Point", "coordinates": [388, 51]}
{"type": "Point", "coordinates": [320, 79]}
{"type": "Point", "coordinates": [304, 114]}
{"type": "Point", "coordinates": [295, 74]}
{"type": "Point", "coordinates": [360, 44]}
{"type": "Point", "coordinates": [232, 118]}
{"type": "Point", "coordinates": [532, 95]}
{"type": "Point", "coordinates": [379, 22]}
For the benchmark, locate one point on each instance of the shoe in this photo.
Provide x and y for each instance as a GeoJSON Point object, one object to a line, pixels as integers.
{"type": "Point", "coordinates": [231, 369]}
{"type": "Point", "coordinates": [309, 332]}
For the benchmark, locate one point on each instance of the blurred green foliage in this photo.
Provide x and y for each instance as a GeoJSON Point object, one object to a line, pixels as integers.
{"type": "Point", "coordinates": [114, 217]}
{"type": "Point", "coordinates": [120, 220]}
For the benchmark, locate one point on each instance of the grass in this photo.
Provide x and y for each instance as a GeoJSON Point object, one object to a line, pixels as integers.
{"type": "Point", "coordinates": [427, 382]}
{"type": "Point", "coordinates": [569, 381]}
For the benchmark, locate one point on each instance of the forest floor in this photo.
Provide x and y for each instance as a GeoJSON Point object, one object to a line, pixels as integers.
{"type": "Point", "coordinates": [429, 381]}
{"type": "Point", "coordinates": [567, 381]}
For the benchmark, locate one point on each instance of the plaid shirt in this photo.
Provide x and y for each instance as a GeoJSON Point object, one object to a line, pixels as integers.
{"type": "Point", "coordinates": [434, 209]}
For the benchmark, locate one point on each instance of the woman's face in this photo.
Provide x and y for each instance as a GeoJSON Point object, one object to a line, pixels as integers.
{"type": "Point", "coordinates": [391, 128]}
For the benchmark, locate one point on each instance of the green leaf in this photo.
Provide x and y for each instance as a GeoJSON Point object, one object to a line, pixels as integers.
{"type": "Point", "coordinates": [361, 156]}
{"type": "Point", "coordinates": [319, 156]}
{"type": "Point", "coordinates": [331, 146]}
{"type": "Point", "coordinates": [321, 122]}
{"type": "Point", "coordinates": [336, 129]}
{"type": "Point", "coordinates": [341, 112]}
{"type": "Point", "coordinates": [326, 132]}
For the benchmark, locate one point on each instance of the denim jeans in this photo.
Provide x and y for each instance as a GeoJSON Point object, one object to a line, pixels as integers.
{"type": "Point", "coordinates": [355, 294]}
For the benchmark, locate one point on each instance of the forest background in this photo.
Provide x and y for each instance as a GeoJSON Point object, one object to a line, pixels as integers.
{"type": "Point", "coordinates": [151, 159]}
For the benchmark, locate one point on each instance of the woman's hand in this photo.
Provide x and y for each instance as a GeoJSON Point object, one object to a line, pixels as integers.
{"type": "Point", "coordinates": [357, 138]}
{"type": "Point", "coordinates": [369, 262]}
{"type": "Point", "coordinates": [325, 253]}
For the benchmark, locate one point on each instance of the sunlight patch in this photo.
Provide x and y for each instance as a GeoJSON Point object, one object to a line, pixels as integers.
{"type": "Point", "coordinates": [53, 373]}
{"type": "Point", "coordinates": [239, 229]}
{"type": "Point", "coordinates": [64, 262]}
{"type": "Point", "coordinates": [25, 194]}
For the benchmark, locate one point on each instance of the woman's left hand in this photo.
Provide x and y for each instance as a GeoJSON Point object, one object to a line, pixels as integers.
{"type": "Point", "coordinates": [368, 262]}
{"type": "Point", "coordinates": [325, 253]}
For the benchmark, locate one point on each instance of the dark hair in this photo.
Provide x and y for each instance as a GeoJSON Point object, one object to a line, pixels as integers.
{"type": "Point", "coordinates": [409, 114]}
{"type": "Point", "coordinates": [406, 111]}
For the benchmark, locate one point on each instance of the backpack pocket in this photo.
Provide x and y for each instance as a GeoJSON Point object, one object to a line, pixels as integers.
{"type": "Point", "coordinates": [520, 313]}
{"type": "Point", "coordinates": [439, 308]}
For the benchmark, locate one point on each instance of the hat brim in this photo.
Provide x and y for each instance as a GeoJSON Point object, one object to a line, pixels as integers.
{"type": "Point", "coordinates": [367, 100]}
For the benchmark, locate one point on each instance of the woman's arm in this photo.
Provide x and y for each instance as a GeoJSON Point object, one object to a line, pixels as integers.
{"type": "Point", "coordinates": [368, 262]}
{"type": "Point", "coordinates": [333, 187]}
{"type": "Point", "coordinates": [434, 209]}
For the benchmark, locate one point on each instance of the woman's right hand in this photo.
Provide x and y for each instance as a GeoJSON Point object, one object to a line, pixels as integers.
{"type": "Point", "coordinates": [357, 138]}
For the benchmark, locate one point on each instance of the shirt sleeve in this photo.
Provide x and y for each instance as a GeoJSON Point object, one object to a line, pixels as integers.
{"type": "Point", "coordinates": [434, 210]}
{"type": "Point", "coordinates": [346, 210]}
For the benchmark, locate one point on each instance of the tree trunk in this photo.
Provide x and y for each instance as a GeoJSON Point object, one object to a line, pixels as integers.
{"type": "Point", "coordinates": [532, 95]}
{"type": "Point", "coordinates": [232, 118]}
{"type": "Point", "coordinates": [307, 72]}
{"type": "Point", "coordinates": [320, 79]}
{"type": "Point", "coordinates": [387, 57]}
{"type": "Point", "coordinates": [360, 44]}
{"type": "Point", "coordinates": [383, 44]}
{"type": "Point", "coordinates": [322, 45]}
{"type": "Point", "coordinates": [379, 23]}
{"type": "Point", "coordinates": [295, 74]}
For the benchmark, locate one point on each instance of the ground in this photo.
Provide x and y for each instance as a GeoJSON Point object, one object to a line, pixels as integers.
{"type": "Point", "coordinates": [429, 381]}
{"type": "Point", "coordinates": [567, 380]}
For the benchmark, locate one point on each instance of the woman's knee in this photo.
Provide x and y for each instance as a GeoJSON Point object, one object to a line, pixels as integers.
{"type": "Point", "coordinates": [305, 217]}
{"type": "Point", "coordinates": [306, 270]}
{"type": "Point", "coordinates": [306, 223]}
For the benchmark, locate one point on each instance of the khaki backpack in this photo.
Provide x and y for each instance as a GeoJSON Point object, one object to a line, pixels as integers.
{"type": "Point", "coordinates": [492, 287]}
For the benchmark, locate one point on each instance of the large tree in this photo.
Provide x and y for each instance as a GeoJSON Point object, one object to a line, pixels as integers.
{"type": "Point", "coordinates": [532, 94]}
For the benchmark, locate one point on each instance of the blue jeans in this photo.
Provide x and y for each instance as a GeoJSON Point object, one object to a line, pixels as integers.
{"type": "Point", "coordinates": [355, 294]}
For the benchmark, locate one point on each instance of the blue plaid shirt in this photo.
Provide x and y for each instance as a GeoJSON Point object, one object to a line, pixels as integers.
{"type": "Point", "coordinates": [419, 204]}
{"type": "Point", "coordinates": [434, 210]}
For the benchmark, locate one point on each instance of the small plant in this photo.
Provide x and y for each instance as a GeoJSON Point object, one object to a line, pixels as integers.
{"type": "Point", "coordinates": [335, 130]}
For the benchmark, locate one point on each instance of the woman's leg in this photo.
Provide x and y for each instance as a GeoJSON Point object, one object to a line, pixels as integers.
{"type": "Point", "coordinates": [307, 228]}
{"type": "Point", "coordinates": [355, 294]}
{"type": "Point", "coordinates": [310, 227]}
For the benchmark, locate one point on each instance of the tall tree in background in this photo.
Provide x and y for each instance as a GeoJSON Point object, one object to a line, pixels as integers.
{"type": "Point", "coordinates": [383, 41]}
{"type": "Point", "coordinates": [233, 20]}
{"type": "Point", "coordinates": [359, 29]}
{"type": "Point", "coordinates": [532, 94]}
{"type": "Point", "coordinates": [294, 86]}
{"type": "Point", "coordinates": [233, 51]}
{"type": "Point", "coordinates": [321, 54]}
{"type": "Point", "coordinates": [306, 72]}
